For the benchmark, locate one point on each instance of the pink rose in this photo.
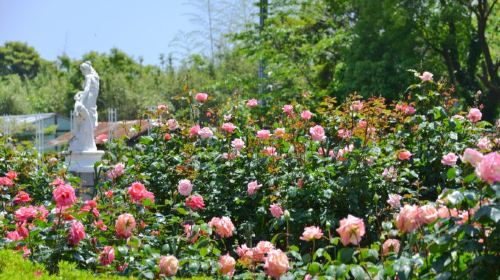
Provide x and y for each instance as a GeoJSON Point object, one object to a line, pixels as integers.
{"type": "Point", "coordinates": [138, 193]}
{"type": "Point", "coordinates": [205, 133]}
{"type": "Point", "coordinates": [253, 187]}
{"type": "Point", "coordinates": [252, 103]}
{"type": "Point", "coordinates": [351, 230]}
{"type": "Point", "coordinates": [201, 97]}
{"type": "Point", "coordinates": [11, 175]}
{"type": "Point", "coordinates": [4, 181]}
{"type": "Point", "coordinates": [356, 106]}
{"type": "Point", "coordinates": [408, 218]}
{"type": "Point", "coordinates": [245, 253]}
{"type": "Point", "coordinates": [390, 174]}
{"type": "Point", "coordinates": [394, 200]}
{"type": "Point", "coordinates": [263, 134]}
{"type": "Point", "coordinates": [117, 171]}
{"type": "Point", "coordinates": [260, 251]}
{"type": "Point", "coordinates": [426, 77]}
{"type": "Point", "coordinates": [228, 117]}
{"type": "Point", "coordinates": [306, 115]}
{"type": "Point", "coordinates": [185, 187]}
{"type": "Point", "coordinates": [404, 155]}
{"type": "Point", "coordinates": [276, 263]}
{"type": "Point", "coordinates": [472, 156]}
{"type": "Point", "coordinates": [168, 265]}
{"type": "Point", "coordinates": [457, 118]}
{"type": "Point", "coordinates": [101, 138]}
{"type": "Point", "coordinates": [223, 226]}
{"type": "Point", "coordinates": [13, 236]}
{"type": "Point", "coordinates": [390, 245]}
{"type": "Point", "coordinates": [270, 151]}
{"type": "Point", "coordinates": [76, 233]}
{"type": "Point", "coordinates": [172, 124]}
{"type": "Point", "coordinates": [25, 214]}
{"type": "Point", "coordinates": [22, 197]}
{"type": "Point", "coordinates": [484, 143]}
{"type": "Point", "coordinates": [409, 110]}
{"type": "Point", "coordinates": [276, 210]}
{"type": "Point", "coordinates": [427, 214]}
{"type": "Point", "coordinates": [193, 131]}
{"type": "Point", "coordinates": [474, 115]}
{"type": "Point", "coordinates": [107, 255]}
{"type": "Point", "coordinates": [161, 107]}
{"type": "Point", "coordinates": [238, 144]}
{"type": "Point", "coordinates": [311, 233]}
{"type": "Point", "coordinates": [288, 109]}
{"type": "Point", "coordinates": [317, 133]}
{"type": "Point", "coordinates": [344, 133]}
{"type": "Point", "coordinates": [125, 224]}
{"type": "Point", "coordinates": [279, 132]}
{"type": "Point", "coordinates": [489, 168]}
{"type": "Point", "coordinates": [167, 137]}
{"type": "Point", "coordinates": [226, 265]}
{"type": "Point", "coordinates": [195, 202]}
{"type": "Point", "coordinates": [449, 159]}
{"type": "Point", "coordinates": [228, 127]}
{"type": "Point", "coordinates": [64, 195]}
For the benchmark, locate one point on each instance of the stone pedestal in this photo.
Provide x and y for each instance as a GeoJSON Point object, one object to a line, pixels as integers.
{"type": "Point", "coordinates": [81, 164]}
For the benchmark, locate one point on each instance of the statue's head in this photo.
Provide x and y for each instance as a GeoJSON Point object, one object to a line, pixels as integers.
{"type": "Point", "coordinates": [86, 68]}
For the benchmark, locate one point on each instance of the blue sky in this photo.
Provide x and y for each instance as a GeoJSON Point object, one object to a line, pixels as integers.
{"type": "Point", "coordinates": [140, 28]}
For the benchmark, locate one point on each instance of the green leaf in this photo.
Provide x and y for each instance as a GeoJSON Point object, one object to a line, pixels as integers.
{"type": "Point", "coordinates": [314, 268]}
{"type": "Point", "coordinates": [345, 255]}
{"type": "Point", "coordinates": [451, 174]}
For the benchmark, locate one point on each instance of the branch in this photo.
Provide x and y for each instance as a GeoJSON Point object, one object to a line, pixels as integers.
{"type": "Point", "coordinates": [488, 12]}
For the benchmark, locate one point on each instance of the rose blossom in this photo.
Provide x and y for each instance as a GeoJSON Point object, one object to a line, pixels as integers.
{"type": "Point", "coordinates": [279, 132]}
{"type": "Point", "coordinates": [252, 103]}
{"type": "Point", "coordinates": [449, 159]}
{"type": "Point", "coordinates": [101, 138]}
{"type": "Point", "coordinates": [172, 124]}
{"type": "Point", "coordinates": [228, 117]}
{"type": "Point", "coordinates": [390, 174]}
{"type": "Point", "coordinates": [226, 265]}
{"type": "Point", "coordinates": [11, 175]}
{"type": "Point", "coordinates": [76, 233]}
{"type": "Point", "coordinates": [390, 245]}
{"type": "Point", "coordinates": [195, 202]}
{"type": "Point", "coordinates": [269, 151]}
{"type": "Point", "coordinates": [474, 115]}
{"type": "Point", "coordinates": [344, 133]}
{"type": "Point", "coordinates": [427, 214]}
{"type": "Point", "coordinates": [253, 187]}
{"type": "Point", "coordinates": [426, 77]}
{"type": "Point", "coordinates": [167, 137]}
{"type": "Point", "coordinates": [260, 251]}
{"type": "Point", "coordinates": [107, 255]}
{"type": "Point", "coordinates": [407, 219]}
{"type": "Point", "coordinates": [125, 224]}
{"type": "Point", "coordinates": [311, 233]}
{"type": "Point", "coordinates": [276, 210]}
{"type": "Point", "coordinates": [4, 181]}
{"type": "Point", "coordinates": [356, 106]}
{"type": "Point", "coordinates": [484, 143]}
{"type": "Point", "coordinates": [317, 133]}
{"type": "Point", "coordinates": [24, 214]}
{"type": "Point", "coordinates": [245, 254]}
{"type": "Point", "coordinates": [276, 263]}
{"type": "Point", "coordinates": [263, 134]}
{"type": "Point", "coordinates": [138, 193]}
{"type": "Point", "coordinates": [168, 265]}
{"type": "Point", "coordinates": [351, 230]}
{"type": "Point", "coordinates": [185, 187]}
{"type": "Point", "coordinates": [201, 97]}
{"type": "Point", "coordinates": [228, 127]}
{"type": "Point", "coordinates": [306, 115]}
{"type": "Point", "coordinates": [288, 109]}
{"type": "Point", "coordinates": [161, 107]}
{"type": "Point", "coordinates": [205, 133]}
{"type": "Point", "coordinates": [117, 171]}
{"type": "Point", "coordinates": [238, 144]}
{"type": "Point", "coordinates": [193, 131]}
{"type": "Point", "coordinates": [489, 168]}
{"type": "Point", "coordinates": [472, 156]}
{"type": "Point", "coordinates": [223, 226]}
{"type": "Point", "coordinates": [22, 197]}
{"type": "Point", "coordinates": [64, 195]}
{"type": "Point", "coordinates": [404, 155]}
{"type": "Point", "coordinates": [394, 200]}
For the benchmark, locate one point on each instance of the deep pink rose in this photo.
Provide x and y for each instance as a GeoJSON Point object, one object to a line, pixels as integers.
{"type": "Point", "coordinates": [76, 233]}
{"type": "Point", "coordinates": [404, 155]}
{"type": "Point", "coordinates": [64, 195]}
{"type": "Point", "coordinates": [351, 230]}
{"type": "Point", "coordinates": [252, 187]}
{"type": "Point", "coordinates": [195, 202]}
{"type": "Point", "coordinates": [228, 127]}
{"type": "Point", "coordinates": [4, 181]}
{"type": "Point", "coordinates": [22, 197]}
{"type": "Point", "coordinates": [276, 210]}
{"type": "Point", "coordinates": [238, 144]}
{"type": "Point", "coordinates": [193, 131]}
{"type": "Point", "coordinates": [201, 97]}
{"type": "Point", "coordinates": [306, 115]}
{"type": "Point", "coordinates": [252, 103]}
{"type": "Point", "coordinates": [11, 175]}
{"type": "Point", "coordinates": [474, 115]}
{"type": "Point", "coordinates": [107, 255]}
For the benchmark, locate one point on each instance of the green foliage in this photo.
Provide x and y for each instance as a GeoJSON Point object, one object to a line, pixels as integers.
{"type": "Point", "coordinates": [19, 58]}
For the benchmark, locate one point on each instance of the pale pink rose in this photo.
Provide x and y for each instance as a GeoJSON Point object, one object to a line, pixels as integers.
{"type": "Point", "coordinates": [443, 212]}
{"type": "Point", "coordinates": [101, 138]}
{"type": "Point", "coordinates": [404, 155]}
{"type": "Point", "coordinates": [252, 103]}
{"type": "Point", "coordinates": [489, 168]}
{"type": "Point", "coordinates": [317, 133]}
{"type": "Point", "coordinates": [253, 187]}
{"type": "Point", "coordinates": [279, 132]}
{"type": "Point", "coordinates": [228, 127]}
{"type": "Point", "coordinates": [263, 134]}
{"type": "Point", "coordinates": [172, 124]}
{"type": "Point", "coordinates": [306, 115]}
{"type": "Point", "coordinates": [288, 109]}
{"type": "Point", "coordinates": [394, 200]}
{"type": "Point", "coordinates": [472, 156]}
{"type": "Point", "coordinates": [22, 197]}
{"type": "Point", "coordinates": [124, 226]}
{"type": "Point", "coordinates": [76, 233]}
{"type": "Point", "coordinates": [185, 187]}
{"type": "Point", "coordinates": [226, 265]}
{"type": "Point", "coordinates": [64, 195]}
{"type": "Point", "coordinates": [427, 214]}
{"type": "Point", "coordinates": [426, 77]}
{"type": "Point", "coordinates": [308, 277]}
{"type": "Point", "coordinates": [276, 210]}
{"type": "Point", "coordinates": [117, 171]}
{"type": "Point", "coordinates": [161, 107]}
{"type": "Point", "coordinates": [223, 226]}
{"type": "Point", "coordinates": [351, 230]}
{"type": "Point", "coordinates": [344, 133]}
{"type": "Point", "coordinates": [228, 117]}
{"type": "Point", "coordinates": [205, 133]}
{"type": "Point", "coordinates": [238, 144]}
{"type": "Point", "coordinates": [457, 118]}
{"type": "Point", "coordinates": [269, 151]}
{"type": "Point", "coordinates": [260, 251]}
{"type": "Point", "coordinates": [193, 131]}
{"type": "Point", "coordinates": [201, 97]}
{"type": "Point", "coordinates": [408, 218]}
{"type": "Point", "coordinates": [474, 115]}
{"type": "Point", "coordinates": [168, 265]}
{"type": "Point", "coordinates": [311, 233]}
{"type": "Point", "coordinates": [276, 263]}
{"type": "Point", "coordinates": [356, 106]}
{"type": "Point", "coordinates": [245, 253]}
{"type": "Point", "coordinates": [484, 143]}
{"type": "Point", "coordinates": [390, 245]}
{"type": "Point", "coordinates": [107, 255]}
{"type": "Point", "coordinates": [449, 159]}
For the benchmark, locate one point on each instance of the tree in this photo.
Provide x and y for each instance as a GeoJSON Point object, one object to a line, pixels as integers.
{"type": "Point", "coordinates": [19, 58]}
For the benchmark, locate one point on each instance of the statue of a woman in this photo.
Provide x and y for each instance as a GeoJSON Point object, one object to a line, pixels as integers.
{"type": "Point", "coordinates": [85, 112]}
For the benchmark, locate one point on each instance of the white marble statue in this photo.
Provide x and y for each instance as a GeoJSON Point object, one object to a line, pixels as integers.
{"type": "Point", "coordinates": [85, 112]}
